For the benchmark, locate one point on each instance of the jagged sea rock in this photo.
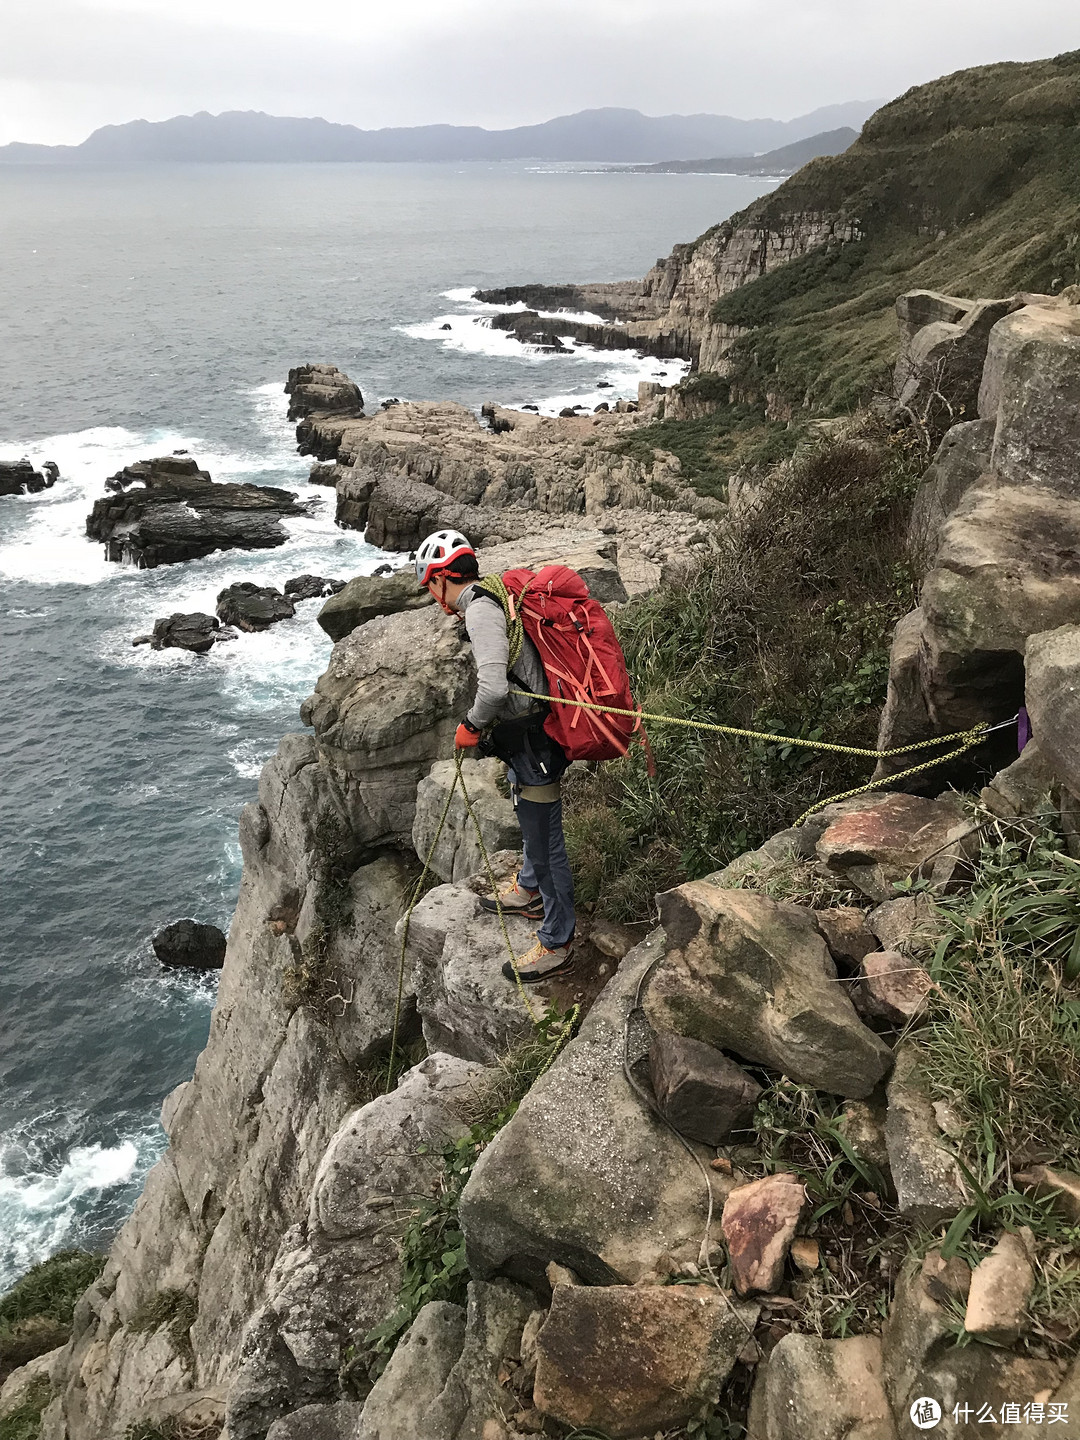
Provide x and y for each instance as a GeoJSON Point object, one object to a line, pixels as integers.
{"type": "Point", "coordinates": [457, 853]}
{"type": "Point", "coordinates": [401, 511]}
{"type": "Point", "coordinates": [165, 510]}
{"type": "Point", "coordinates": [322, 390]}
{"type": "Point", "coordinates": [630, 1360]}
{"type": "Point", "coordinates": [18, 477]}
{"type": "Point", "coordinates": [337, 1272]}
{"type": "Point", "coordinates": [455, 954]}
{"type": "Point", "coordinates": [253, 607]}
{"type": "Point", "coordinates": [366, 596]}
{"type": "Point", "coordinates": [311, 587]}
{"type": "Point", "coordinates": [188, 943]}
{"type": "Point", "coordinates": [753, 976]}
{"type": "Point", "coordinates": [584, 1174]}
{"type": "Point", "coordinates": [196, 632]}
{"type": "Point", "coordinates": [929, 1186]}
{"type": "Point", "coordinates": [831, 1389]}
{"type": "Point", "coordinates": [416, 1374]}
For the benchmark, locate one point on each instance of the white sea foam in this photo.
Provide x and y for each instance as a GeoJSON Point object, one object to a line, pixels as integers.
{"type": "Point", "coordinates": [42, 1197]}
{"type": "Point", "coordinates": [470, 330]}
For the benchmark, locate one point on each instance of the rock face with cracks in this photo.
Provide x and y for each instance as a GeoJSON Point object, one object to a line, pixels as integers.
{"type": "Point", "coordinates": [583, 1174]}
{"type": "Point", "coordinates": [631, 1360]}
{"type": "Point", "coordinates": [753, 975]}
{"type": "Point", "coordinates": [830, 1389]}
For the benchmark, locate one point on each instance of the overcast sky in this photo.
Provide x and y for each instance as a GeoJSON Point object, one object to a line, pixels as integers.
{"type": "Point", "coordinates": [67, 66]}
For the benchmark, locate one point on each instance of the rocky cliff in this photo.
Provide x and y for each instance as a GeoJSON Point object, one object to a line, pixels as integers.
{"type": "Point", "coordinates": [270, 1265]}
{"type": "Point", "coordinates": [962, 185]}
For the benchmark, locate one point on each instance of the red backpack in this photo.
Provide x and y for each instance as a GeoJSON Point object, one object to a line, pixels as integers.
{"type": "Point", "coordinates": [582, 660]}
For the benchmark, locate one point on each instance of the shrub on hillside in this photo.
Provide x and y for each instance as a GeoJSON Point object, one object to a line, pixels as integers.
{"type": "Point", "coordinates": [786, 631]}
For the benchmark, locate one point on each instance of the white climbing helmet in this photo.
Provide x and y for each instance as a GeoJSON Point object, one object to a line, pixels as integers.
{"type": "Point", "coordinates": [439, 550]}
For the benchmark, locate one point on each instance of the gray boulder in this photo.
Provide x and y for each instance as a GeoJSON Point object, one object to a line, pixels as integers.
{"type": "Point", "coordinates": [753, 976]}
{"type": "Point", "coordinates": [929, 1186]}
{"type": "Point", "coordinates": [1052, 696]}
{"type": "Point", "coordinates": [456, 952]}
{"type": "Point", "coordinates": [962, 459]}
{"type": "Point", "coordinates": [318, 1422]}
{"type": "Point", "coordinates": [945, 363]}
{"type": "Point", "coordinates": [337, 1275]}
{"type": "Point", "coordinates": [366, 596]}
{"type": "Point", "coordinates": [830, 1389]}
{"type": "Point", "coordinates": [1032, 385]}
{"type": "Point", "coordinates": [584, 1174]}
{"type": "Point", "coordinates": [385, 708]}
{"type": "Point", "coordinates": [457, 854]}
{"type": "Point", "coordinates": [473, 1396]}
{"type": "Point", "coordinates": [416, 1375]}
{"type": "Point", "coordinates": [311, 587]}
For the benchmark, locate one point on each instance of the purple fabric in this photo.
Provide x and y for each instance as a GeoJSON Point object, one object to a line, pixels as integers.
{"type": "Point", "coordinates": [1023, 729]}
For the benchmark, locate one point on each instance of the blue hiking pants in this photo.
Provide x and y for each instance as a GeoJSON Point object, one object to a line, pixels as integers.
{"type": "Point", "coordinates": [546, 867]}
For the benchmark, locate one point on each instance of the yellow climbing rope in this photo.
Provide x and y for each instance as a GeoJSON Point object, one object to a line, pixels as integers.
{"type": "Point", "coordinates": [968, 740]}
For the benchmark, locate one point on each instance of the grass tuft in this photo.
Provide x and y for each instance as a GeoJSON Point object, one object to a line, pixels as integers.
{"type": "Point", "coordinates": [24, 1422]}
{"type": "Point", "coordinates": [36, 1314]}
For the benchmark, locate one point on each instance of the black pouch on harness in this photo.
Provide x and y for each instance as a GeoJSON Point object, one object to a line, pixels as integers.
{"type": "Point", "coordinates": [524, 745]}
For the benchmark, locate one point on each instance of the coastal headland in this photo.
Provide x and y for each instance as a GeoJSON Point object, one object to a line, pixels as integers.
{"type": "Point", "coordinates": [793, 1153]}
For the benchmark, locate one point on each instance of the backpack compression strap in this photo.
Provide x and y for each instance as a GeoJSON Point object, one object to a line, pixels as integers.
{"type": "Point", "coordinates": [515, 630]}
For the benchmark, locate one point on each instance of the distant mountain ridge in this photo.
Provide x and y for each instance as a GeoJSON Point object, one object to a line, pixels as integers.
{"type": "Point", "coordinates": [603, 135]}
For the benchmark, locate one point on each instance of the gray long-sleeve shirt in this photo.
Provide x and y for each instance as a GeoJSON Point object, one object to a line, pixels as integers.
{"type": "Point", "coordinates": [485, 625]}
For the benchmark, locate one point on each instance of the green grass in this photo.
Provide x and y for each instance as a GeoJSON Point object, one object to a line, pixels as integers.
{"type": "Point", "coordinates": [966, 185]}
{"type": "Point", "coordinates": [712, 448]}
{"type": "Point", "coordinates": [36, 1314]}
{"type": "Point", "coordinates": [786, 630]}
{"type": "Point", "coordinates": [1002, 1045]}
{"type": "Point", "coordinates": [172, 1310]}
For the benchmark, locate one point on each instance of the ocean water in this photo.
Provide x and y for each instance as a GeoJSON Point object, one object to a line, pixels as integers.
{"type": "Point", "coordinates": [149, 309]}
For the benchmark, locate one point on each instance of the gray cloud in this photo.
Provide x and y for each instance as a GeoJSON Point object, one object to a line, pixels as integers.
{"type": "Point", "coordinates": [66, 67]}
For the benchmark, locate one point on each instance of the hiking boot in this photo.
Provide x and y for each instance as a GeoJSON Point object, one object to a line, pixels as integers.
{"type": "Point", "coordinates": [516, 900]}
{"type": "Point", "coordinates": [540, 963]}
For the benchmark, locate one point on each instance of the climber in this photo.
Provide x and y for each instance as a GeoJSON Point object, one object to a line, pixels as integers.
{"type": "Point", "coordinates": [511, 727]}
